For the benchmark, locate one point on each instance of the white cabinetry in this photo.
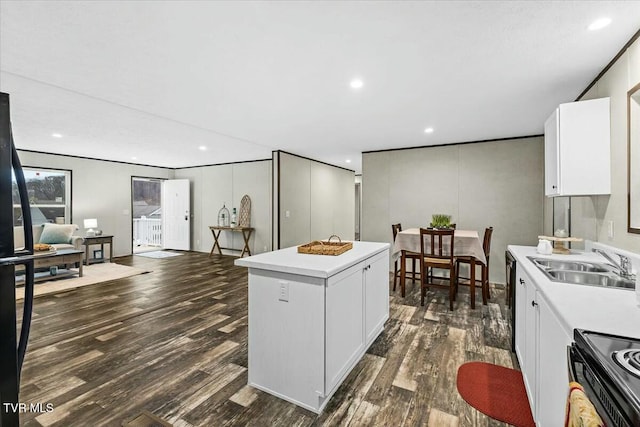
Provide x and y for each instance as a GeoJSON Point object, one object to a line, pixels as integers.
{"type": "Point", "coordinates": [530, 362]}
{"type": "Point", "coordinates": [553, 374]}
{"type": "Point", "coordinates": [376, 285]}
{"type": "Point", "coordinates": [344, 321]}
{"type": "Point", "coordinates": [526, 333]}
{"type": "Point", "coordinates": [520, 318]}
{"type": "Point", "coordinates": [312, 317]}
{"type": "Point", "coordinates": [541, 345]}
{"type": "Point", "coordinates": [577, 149]}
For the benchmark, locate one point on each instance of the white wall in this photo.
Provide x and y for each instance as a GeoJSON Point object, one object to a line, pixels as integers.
{"type": "Point", "coordinates": [295, 200]}
{"type": "Point", "coordinates": [99, 189]}
{"type": "Point", "coordinates": [497, 184]}
{"type": "Point", "coordinates": [213, 186]}
{"type": "Point", "coordinates": [590, 215]}
{"type": "Point", "coordinates": [316, 200]}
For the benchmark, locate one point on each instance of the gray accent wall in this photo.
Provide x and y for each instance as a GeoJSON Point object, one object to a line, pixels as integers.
{"type": "Point", "coordinates": [316, 200]}
{"type": "Point", "coordinates": [99, 189]}
{"type": "Point", "coordinates": [218, 185]}
{"type": "Point", "coordinates": [496, 183]}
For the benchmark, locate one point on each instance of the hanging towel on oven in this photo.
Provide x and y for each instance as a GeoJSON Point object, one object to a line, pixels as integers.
{"type": "Point", "coordinates": [580, 410]}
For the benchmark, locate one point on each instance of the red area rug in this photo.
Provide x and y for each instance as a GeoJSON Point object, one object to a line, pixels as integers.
{"type": "Point", "coordinates": [495, 391]}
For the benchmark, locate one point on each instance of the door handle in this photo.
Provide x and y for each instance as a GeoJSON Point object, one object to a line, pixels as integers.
{"type": "Point", "coordinates": [533, 303]}
{"type": "Point", "coordinates": [521, 281]}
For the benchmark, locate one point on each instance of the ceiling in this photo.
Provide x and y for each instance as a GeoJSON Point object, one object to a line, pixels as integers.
{"type": "Point", "coordinates": [152, 82]}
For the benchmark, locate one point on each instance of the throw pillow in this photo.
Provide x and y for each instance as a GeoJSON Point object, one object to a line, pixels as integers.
{"type": "Point", "coordinates": [56, 233]}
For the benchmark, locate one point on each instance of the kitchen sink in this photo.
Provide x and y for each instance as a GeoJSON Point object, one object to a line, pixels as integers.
{"type": "Point", "coordinates": [583, 273]}
{"type": "Point", "coordinates": [571, 265]}
{"type": "Point", "coordinates": [591, 278]}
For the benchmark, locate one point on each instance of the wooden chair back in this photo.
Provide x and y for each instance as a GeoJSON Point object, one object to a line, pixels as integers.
{"type": "Point", "coordinates": [437, 244]}
{"type": "Point", "coordinates": [395, 229]}
{"type": "Point", "coordinates": [486, 242]}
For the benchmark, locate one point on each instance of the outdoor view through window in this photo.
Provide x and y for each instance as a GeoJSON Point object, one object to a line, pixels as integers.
{"type": "Point", "coordinates": [147, 214]}
{"type": "Point", "coordinates": [49, 196]}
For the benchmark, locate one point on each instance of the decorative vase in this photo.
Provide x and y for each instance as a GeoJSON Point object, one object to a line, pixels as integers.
{"type": "Point", "coordinates": [234, 218]}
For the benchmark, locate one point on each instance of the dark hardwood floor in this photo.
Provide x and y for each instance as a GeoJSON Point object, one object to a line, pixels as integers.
{"type": "Point", "coordinates": [174, 342]}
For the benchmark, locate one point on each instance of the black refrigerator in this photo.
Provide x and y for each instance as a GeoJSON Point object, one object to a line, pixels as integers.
{"type": "Point", "coordinates": [13, 344]}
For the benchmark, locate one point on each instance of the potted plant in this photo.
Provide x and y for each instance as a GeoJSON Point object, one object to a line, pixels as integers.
{"type": "Point", "coordinates": [440, 221]}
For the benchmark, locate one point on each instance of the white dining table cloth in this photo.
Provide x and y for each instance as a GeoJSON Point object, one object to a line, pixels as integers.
{"type": "Point", "coordinates": [465, 243]}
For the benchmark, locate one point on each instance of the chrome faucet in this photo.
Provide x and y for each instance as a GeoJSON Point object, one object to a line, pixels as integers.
{"type": "Point", "coordinates": [624, 266]}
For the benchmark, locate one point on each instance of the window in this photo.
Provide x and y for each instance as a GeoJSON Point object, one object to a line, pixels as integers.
{"type": "Point", "coordinates": [49, 196]}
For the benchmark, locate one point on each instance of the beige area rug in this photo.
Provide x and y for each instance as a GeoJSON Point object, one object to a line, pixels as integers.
{"type": "Point", "coordinates": [91, 274]}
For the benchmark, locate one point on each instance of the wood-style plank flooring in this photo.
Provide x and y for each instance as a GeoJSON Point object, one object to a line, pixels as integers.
{"type": "Point", "coordinates": [174, 342]}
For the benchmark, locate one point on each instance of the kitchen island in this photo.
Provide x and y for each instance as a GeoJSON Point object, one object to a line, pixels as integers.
{"type": "Point", "coordinates": [312, 317]}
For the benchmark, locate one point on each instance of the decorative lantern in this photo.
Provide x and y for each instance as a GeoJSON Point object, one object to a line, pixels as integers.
{"type": "Point", "coordinates": [223, 216]}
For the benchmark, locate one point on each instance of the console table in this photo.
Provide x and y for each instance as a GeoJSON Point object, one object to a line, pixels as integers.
{"type": "Point", "coordinates": [246, 234]}
{"type": "Point", "coordinates": [98, 240]}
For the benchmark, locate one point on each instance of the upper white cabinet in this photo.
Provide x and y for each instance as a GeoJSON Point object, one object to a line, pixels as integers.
{"type": "Point", "coordinates": [577, 149]}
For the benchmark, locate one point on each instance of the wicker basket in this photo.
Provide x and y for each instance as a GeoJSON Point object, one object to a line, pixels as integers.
{"type": "Point", "coordinates": [327, 247]}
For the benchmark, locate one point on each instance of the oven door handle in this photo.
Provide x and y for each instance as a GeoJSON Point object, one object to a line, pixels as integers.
{"type": "Point", "coordinates": [570, 366]}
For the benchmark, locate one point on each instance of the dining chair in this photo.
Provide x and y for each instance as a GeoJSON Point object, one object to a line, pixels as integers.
{"type": "Point", "coordinates": [436, 251]}
{"type": "Point", "coordinates": [484, 273]}
{"type": "Point", "coordinates": [413, 256]}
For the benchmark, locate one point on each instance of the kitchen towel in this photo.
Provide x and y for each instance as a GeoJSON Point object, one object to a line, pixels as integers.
{"type": "Point", "coordinates": [580, 410]}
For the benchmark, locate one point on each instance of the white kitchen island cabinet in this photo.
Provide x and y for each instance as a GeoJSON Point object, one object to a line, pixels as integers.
{"type": "Point", "coordinates": [312, 317]}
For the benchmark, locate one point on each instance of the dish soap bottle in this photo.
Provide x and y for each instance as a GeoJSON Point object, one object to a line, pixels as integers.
{"type": "Point", "coordinates": [234, 218]}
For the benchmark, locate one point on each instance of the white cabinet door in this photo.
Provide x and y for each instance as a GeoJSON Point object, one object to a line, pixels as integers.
{"type": "Point", "coordinates": [577, 149]}
{"type": "Point", "coordinates": [522, 281]}
{"type": "Point", "coordinates": [344, 320]}
{"type": "Point", "coordinates": [376, 288]}
{"type": "Point", "coordinates": [553, 378]}
{"type": "Point", "coordinates": [530, 368]}
{"type": "Point", "coordinates": [551, 160]}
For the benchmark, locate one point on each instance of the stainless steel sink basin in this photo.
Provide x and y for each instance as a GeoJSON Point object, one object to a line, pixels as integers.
{"type": "Point", "coordinates": [571, 265]}
{"type": "Point", "coordinates": [591, 278]}
{"type": "Point", "coordinates": [583, 273]}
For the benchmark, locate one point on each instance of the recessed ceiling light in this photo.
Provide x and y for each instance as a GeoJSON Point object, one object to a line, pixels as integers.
{"type": "Point", "coordinates": [599, 23]}
{"type": "Point", "coordinates": [56, 135]}
{"type": "Point", "coordinates": [428, 130]}
{"type": "Point", "coordinates": [134, 158]}
{"type": "Point", "coordinates": [348, 161]}
{"type": "Point", "coordinates": [356, 83]}
{"type": "Point", "coordinates": [202, 148]}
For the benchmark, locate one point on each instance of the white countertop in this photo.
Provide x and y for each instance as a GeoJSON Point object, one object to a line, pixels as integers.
{"type": "Point", "coordinates": [608, 310]}
{"type": "Point", "coordinates": [290, 261]}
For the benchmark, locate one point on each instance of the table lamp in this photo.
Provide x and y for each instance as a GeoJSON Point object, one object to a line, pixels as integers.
{"type": "Point", "coordinates": [90, 224]}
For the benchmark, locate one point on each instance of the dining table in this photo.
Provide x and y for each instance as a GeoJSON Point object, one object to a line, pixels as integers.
{"type": "Point", "coordinates": [466, 243]}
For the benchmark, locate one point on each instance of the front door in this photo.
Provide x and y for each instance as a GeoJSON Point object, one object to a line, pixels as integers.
{"type": "Point", "coordinates": [176, 214]}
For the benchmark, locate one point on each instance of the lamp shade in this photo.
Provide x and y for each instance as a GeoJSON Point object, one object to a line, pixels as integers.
{"type": "Point", "coordinates": [90, 223]}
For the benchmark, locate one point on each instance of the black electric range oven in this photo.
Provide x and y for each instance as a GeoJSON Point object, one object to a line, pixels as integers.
{"type": "Point", "coordinates": [608, 367]}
